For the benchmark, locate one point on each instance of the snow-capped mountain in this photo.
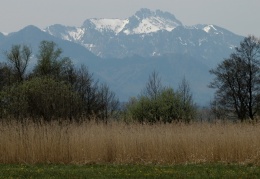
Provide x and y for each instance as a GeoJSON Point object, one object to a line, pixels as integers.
{"type": "Point", "coordinates": [146, 21]}
{"type": "Point", "coordinates": [106, 25]}
{"type": "Point", "coordinates": [97, 35]}
{"type": "Point", "coordinates": [149, 33]}
{"type": "Point", "coordinates": [143, 22]}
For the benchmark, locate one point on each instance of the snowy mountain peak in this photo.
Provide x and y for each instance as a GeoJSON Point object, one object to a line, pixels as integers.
{"type": "Point", "coordinates": [146, 21]}
{"type": "Point", "coordinates": [147, 13]}
{"type": "Point", "coordinates": [114, 25]}
{"type": "Point", "coordinates": [65, 32]}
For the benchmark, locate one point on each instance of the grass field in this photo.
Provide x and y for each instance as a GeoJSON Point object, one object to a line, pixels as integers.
{"type": "Point", "coordinates": [130, 171]}
{"type": "Point", "coordinates": [120, 143]}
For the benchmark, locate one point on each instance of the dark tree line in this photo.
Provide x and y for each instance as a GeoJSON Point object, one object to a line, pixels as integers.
{"type": "Point", "coordinates": [237, 82]}
{"type": "Point", "coordinates": [54, 89]}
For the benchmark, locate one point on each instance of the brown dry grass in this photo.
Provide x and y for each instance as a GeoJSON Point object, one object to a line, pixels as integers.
{"type": "Point", "coordinates": [133, 143]}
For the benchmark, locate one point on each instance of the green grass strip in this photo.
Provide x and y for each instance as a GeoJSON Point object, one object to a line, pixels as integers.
{"type": "Point", "coordinates": [129, 171]}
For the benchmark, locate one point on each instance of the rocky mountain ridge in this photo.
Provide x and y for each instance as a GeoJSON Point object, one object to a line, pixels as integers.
{"type": "Point", "coordinates": [147, 34]}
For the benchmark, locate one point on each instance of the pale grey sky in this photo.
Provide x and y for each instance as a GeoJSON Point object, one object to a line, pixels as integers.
{"type": "Point", "coordinates": [239, 16]}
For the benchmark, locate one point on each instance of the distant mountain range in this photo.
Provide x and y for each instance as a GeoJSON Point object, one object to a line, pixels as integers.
{"type": "Point", "coordinates": [123, 52]}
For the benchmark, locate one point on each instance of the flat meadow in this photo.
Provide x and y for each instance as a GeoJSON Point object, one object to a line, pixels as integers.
{"type": "Point", "coordinates": [121, 144]}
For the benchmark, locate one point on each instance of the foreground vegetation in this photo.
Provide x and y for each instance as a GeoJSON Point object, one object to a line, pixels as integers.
{"type": "Point", "coordinates": [129, 171]}
{"type": "Point", "coordinates": [120, 143]}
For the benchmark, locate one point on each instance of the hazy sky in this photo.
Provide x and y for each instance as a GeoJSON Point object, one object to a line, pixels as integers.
{"type": "Point", "coordinates": [240, 16]}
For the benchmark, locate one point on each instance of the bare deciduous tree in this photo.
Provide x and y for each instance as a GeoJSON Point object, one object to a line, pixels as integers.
{"type": "Point", "coordinates": [154, 86]}
{"type": "Point", "coordinates": [237, 80]}
{"type": "Point", "coordinates": [109, 102]}
{"type": "Point", "coordinates": [18, 58]}
{"type": "Point", "coordinates": [187, 105]}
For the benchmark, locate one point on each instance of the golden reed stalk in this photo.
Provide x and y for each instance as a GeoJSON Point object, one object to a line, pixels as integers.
{"type": "Point", "coordinates": [120, 143]}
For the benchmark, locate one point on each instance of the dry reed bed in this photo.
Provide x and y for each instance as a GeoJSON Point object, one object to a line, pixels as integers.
{"type": "Point", "coordinates": [121, 143]}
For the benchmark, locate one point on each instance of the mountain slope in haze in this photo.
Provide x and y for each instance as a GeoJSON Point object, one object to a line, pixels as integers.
{"type": "Point", "coordinates": [32, 36]}
{"type": "Point", "coordinates": [128, 77]}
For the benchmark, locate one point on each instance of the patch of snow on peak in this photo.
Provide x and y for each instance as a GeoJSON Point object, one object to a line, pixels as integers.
{"type": "Point", "coordinates": [115, 25]}
{"type": "Point", "coordinates": [137, 17]}
{"type": "Point", "coordinates": [155, 54]}
{"type": "Point", "coordinates": [66, 37]}
{"type": "Point", "coordinates": [47, 30]}
{"type": "Point", "coordinates": [154, 24]}
{"type": "Point", "coordinates": [77, 34]}
{"type": "Point", "coordinates": [208, 28]}
{"type": "Point", "coordinates": [201, 41]}
{"type": "Point", "coordinates": [5, 33]}
{"type": "Point", "coordinates": [90, 47]}
{"type": "Point", "coordinates": [127, 32]}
